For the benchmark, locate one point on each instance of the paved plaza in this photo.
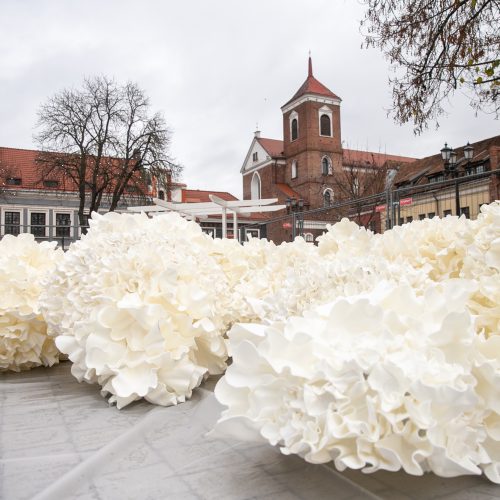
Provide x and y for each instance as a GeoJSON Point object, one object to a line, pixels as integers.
{"type": "Point", "coordinates": [60, 439]}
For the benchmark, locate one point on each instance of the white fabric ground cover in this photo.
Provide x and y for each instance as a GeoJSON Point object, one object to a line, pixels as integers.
{"type": "Point", "coordinates": [393, 363]}
{"type": "Point", "coordinates": [24, 342]}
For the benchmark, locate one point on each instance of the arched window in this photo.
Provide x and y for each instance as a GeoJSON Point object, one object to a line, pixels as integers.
{"type": "Point", "coordinates": [326, 165]}
{"type": "Point", "coordinates": [295, 129]}
{"type": "Point", "coordinates": [161, 195]}
{"type": "Point", "coordinates": [309, 237]}
{"type": "Point", "coordinates": [325, 125]}
{"type": "Point", "coordinates": [294, 169]}
{"type": "Point", "coordinates": [327, 197]}
{"type": "Point", "coordinates": [255, 186]}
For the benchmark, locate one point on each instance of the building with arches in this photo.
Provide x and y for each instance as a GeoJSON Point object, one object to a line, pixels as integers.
{"type": "Point", "coordinates": [309, 163]}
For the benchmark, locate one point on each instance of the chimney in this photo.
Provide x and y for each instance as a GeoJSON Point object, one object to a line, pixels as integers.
{"type": "Point", "coordinates": [257, 134]}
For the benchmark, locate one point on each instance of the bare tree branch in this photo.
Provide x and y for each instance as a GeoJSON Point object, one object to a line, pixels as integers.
{"type": "Point", "coordinates": [437, 47]}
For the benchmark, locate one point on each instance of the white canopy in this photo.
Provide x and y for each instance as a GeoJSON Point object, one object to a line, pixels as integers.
{"type": "Point", "coordinates": [217, 206]}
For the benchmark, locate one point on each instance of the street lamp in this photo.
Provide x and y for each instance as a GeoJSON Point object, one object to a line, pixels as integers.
{"type": "Point", "coordinates": [445, 153]}
{"type": "Point", "coordinates": [468, 152]}
{"type": "Point", "coordinates": [294, 207]}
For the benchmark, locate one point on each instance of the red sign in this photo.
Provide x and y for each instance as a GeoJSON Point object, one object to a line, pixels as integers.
{"type": "Point", "coordinates": [405, 201]}
{"type": "Point", "coordinates": [380, 208]}
{"type": "Point", "coordinates": [287, 225]}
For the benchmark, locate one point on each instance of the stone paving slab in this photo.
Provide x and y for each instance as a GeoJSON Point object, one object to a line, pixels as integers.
{"type": "Point", "coordinates": [60, 439]}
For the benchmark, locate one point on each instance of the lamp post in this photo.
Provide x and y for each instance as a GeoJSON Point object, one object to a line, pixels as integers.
{"type": "Point", "coordinates": [449, 157]}
{"type": "Point", "coordinates": [295, 207]}
{"type": "Point", "coordinates": [468, 153]}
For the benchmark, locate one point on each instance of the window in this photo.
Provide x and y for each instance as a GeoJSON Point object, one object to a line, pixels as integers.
{"type": "Point", "coordinates": [409, 219]}
{"type": "Point", "coordinates": [37, 224]}
{"type": "Point", "coordinates": [50, 184]}
{"type": "Point", "coordinates": [309, 237]}
{"type": "Point", "coordinates": [355, 186]}
{"type": "Point", "coordinates": [446, 212]}
{"type": "Point", "coordinates": [161, 194]}
{"type": "Point", "coordinates": [294, 169]}
{"type": "Point", "coordinates": [13, 181]}
{"type": "Point", "coordinates": [252, 233]}
{"type": "Point", "coordinates": [431, 215]}
{"type": "Point", "coordinates": [436, 178]}
{"type": "Point", "coordinates": [209, 230]}
{"type": "Point", "coordinates": [255, 156]}
{"type": "Point", "coordinates": [326, 165]}
{"type": "Point", "coordinates": [465, 211]}
{"type": "Point", "coordinates": [327, 198]}
{"type": "Point", "coordinates": [325, 125]}
{"type": "Point", "coordinates": [480, 169]}
{"type": "Point", "coordinates": [255, 187]}
{"type": "Point", "coordinates": [295, 129]}
{"type": "Point", "coordinates": [421, 216]}
{"type": "Point", "coordinates": [12, 223]}
{"type": "Point", "coordinates": [401, 221]}
{"type": "Point", "coordinates": [63, 225]}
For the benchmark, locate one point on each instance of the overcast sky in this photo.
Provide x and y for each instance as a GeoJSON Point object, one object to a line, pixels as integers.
{"type": "Point", "coordinates": [215, 69]}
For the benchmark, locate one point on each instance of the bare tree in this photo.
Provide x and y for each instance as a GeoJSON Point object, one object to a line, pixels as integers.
{"type": "Point", "coordinates": [102, 139]}
{"type": "Point", "coordinates": [356, 181]}
{"type": "Point", "coordinates": [437, 47]}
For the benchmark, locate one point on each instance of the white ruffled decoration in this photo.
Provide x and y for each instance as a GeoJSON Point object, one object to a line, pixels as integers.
{"type": "Point", "coordinates": [135, 304]}
{"type": "Point", "coordinates": [404, 375]}
{"type": "Point", "coordinates": [24, 343]}
{"type": "Point", "coordinates": [385, 380]}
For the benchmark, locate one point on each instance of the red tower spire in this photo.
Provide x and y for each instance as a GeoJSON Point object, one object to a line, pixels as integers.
{"type": "Point", "coordinates": [310, 72]}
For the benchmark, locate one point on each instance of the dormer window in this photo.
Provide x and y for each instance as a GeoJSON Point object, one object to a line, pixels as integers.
{"type": "Point", "coordinates": [255, 156]}
{"type": "Point", "coordinates": [294, 169]}
{"type": "Point", "coordinates": [294, 126]}
{"type": "Point", "coordinates": [50, 183]}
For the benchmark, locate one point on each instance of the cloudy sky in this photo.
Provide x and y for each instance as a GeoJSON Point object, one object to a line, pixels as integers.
{"type": "Point", "coordinates": [215, 69]}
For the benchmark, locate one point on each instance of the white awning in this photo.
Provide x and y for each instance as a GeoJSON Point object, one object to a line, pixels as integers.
{"type": "Point", "coordinates": [217, 206]}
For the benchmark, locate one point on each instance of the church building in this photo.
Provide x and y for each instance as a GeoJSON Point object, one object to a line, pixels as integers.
{"type": "Point", "coordinates": [309, 168]}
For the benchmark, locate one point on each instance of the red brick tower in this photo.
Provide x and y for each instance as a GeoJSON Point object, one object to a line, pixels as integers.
{"type": "Point", "coordinates": [312, 139]}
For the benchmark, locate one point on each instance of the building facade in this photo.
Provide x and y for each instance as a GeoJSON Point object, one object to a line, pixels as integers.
{"type": "Point", "coordinates": [48, 208]}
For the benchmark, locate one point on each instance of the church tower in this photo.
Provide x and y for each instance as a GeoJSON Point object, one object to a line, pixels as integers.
{"type": "Point", "coordinates": [312, 140]}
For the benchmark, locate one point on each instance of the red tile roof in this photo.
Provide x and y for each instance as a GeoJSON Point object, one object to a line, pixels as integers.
{"type": "Point", "coordinates": [312, 86]}
{"type": "Point", "coordinates": [21, 164]}
{"type": "Point", "coordinates": [355, 157]}
{"type": "Point", "coordinates": [434, 164]}
{"type": "Point", "coordinates": [273, 146]}
{"type": "Point", "coordinates": [288, 191]}
{"type": "Point", "coordinates": [27, 165]}
{"type": "Point", "coordinates": [198, 195]}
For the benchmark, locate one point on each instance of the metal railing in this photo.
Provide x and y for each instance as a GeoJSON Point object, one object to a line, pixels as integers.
{"type": "Point", "coordinates": [63, 235]}
{"type": "Point", "coordinates": [461, 195]}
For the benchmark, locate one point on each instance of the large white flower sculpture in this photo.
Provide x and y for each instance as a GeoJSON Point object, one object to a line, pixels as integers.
{"type": "Point", "coordinates": [136, 305]}
{"type": "Point", "coordinates": [385, 380]}
{"type": "Point", "coordinates": [24, 343]}
{"type": "Point", "coordinates": [392, 360]}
